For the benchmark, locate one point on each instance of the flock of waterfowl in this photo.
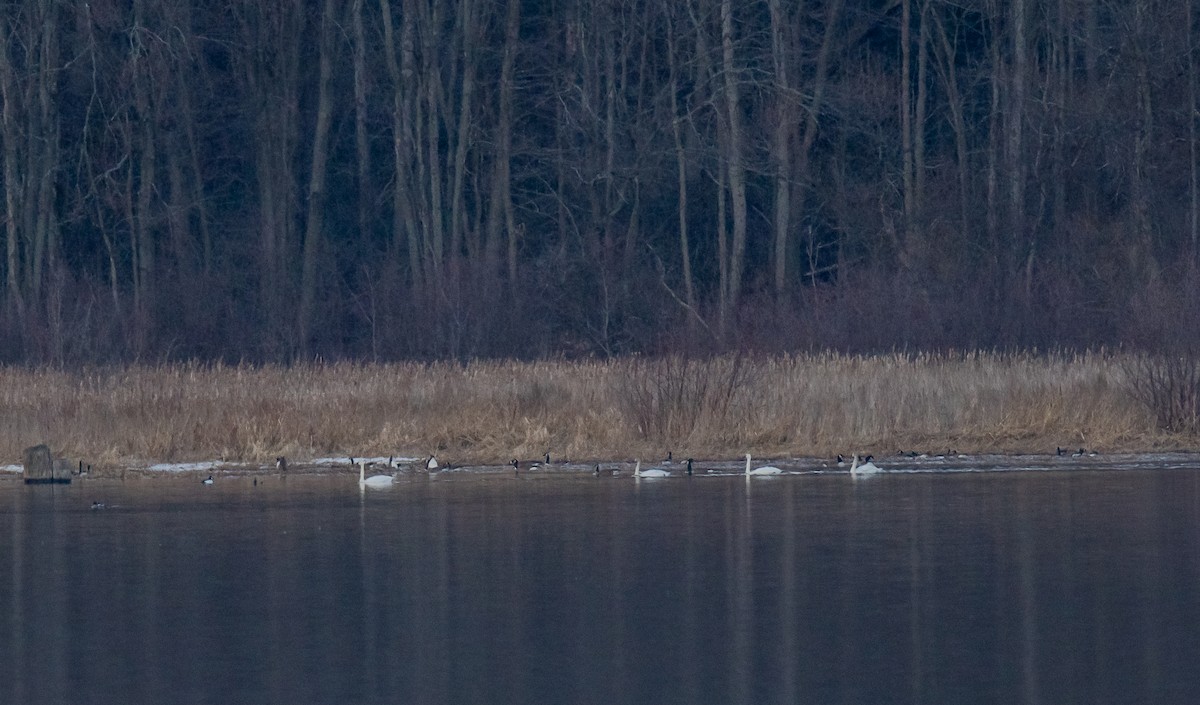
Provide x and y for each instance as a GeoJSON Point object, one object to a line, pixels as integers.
{"type": "Point", "coordinates": [856, 467]}
{"type": "Point", "coordinates": [685, 469]}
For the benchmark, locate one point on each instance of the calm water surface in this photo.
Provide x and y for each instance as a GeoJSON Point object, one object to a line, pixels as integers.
{"type": "Point", "coordinates": [1047, 587]}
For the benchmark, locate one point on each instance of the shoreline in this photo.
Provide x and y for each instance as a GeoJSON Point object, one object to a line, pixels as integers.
{"type": "Point", "coordinates": [706, 467]}
{"type": "Point", "coordinates": [486, 413]}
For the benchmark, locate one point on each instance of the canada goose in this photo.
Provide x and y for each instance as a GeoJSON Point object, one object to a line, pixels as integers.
{"type": "Point", "coordinates": [867, 468]}
{"type": "Point", "coordinates": [98, 505]}
{"type": "Point", "coordinates": [431, 463]}
{"type": "Point", "coordinates": [207, 481]}
{"type": "Point", "coordinates": [596, 470]}
{"type": "Point", "coordinates": [639, 473]}
{"type": "Point", "coordinates": [281, 465]}
{"type": "Point", "coordinates": [689, 467]}
{"type": "Point", "coordinates": [529, 464]}
{"type": "Point", "coordinates": [374, 480]}
{"type": "Point", "coordinates": [841, 461]}
{"type": "Point", "coordinates": [764, 470]}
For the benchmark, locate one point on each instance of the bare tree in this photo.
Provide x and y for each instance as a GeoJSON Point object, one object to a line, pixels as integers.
{"type": "Point", "coordinates": [734, 165]}
{"type": "Point", "coordinates": [402, 74]}
{"type": "Point", "coordinates": [317, 178]}
{"type": "Point", "coordinates": [781, 40]}
{"type": "Point", "coordinates": [500, 209]}
{"type": "Point", "coordinates": [681, 164]}
{"type": "Point", "coordinates": [362, 143]}
{"type": "Point", "coordinates": [13, 200]}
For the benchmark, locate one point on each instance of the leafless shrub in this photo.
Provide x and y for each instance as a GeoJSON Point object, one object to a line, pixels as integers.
{"type": "Point", "coordinates": [1169, 386]}
{"type": "Point", "coordinates": [668, 398]}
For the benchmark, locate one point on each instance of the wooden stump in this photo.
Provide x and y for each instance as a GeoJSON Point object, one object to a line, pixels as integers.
{"type": "Point", "coordinates": [40, 467]}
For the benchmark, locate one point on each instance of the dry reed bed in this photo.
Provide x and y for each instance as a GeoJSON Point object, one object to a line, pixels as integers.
{"type": "Point", "coordinates": [813, 405]}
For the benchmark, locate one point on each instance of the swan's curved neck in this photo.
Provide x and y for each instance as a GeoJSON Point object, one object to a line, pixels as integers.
{"type": "Point", "coordinates": [362, 471]}
{"type": "Point", "coordinates": [747, 463]}
{"type": "Point", "coordinates": [637, 469]}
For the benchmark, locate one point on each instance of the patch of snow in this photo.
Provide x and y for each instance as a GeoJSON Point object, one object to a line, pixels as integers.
{"type": "Point", "coordinates": [345, 460]}
{"type": "Point", "coordinates": [186, 467]}
{"type": "Point", "coordinates": [12, 468]}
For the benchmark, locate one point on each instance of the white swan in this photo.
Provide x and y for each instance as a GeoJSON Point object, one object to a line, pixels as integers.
{"type": "Point", "coordinates": [764, 470]}
{"type": "Point", "coordinates": [638, 472]}
{"type": "Point", "coordinates": [374, 480]}
{"type": "Point", "coordinates": [867, 468]}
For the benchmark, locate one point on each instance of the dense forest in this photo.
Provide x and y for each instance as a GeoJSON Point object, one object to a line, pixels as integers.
{"type": "Point", "coordinates": [387, 179]}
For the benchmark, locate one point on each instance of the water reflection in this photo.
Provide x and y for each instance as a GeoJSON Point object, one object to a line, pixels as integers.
{"type": "Point", "coordinates": [1003, 588]}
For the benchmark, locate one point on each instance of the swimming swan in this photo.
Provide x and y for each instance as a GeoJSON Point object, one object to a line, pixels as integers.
{"type": "Point", "coordinates": [764, 470]}
{"type": "Point", "coordinates": [374, 480]}
{"type": "Point", "coordinates": [867, 468]}
{"type": "Point", "coordinates": [639, 473]}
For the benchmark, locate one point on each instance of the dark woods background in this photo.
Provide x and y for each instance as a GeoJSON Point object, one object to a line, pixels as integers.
{"type": "Point", "coordinates": [454, 178]}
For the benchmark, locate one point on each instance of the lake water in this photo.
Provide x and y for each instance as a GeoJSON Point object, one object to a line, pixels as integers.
{"type": "Point", "coordinates": [1007, 587]}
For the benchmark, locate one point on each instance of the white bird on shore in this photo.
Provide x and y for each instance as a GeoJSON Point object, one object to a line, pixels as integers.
{"type": "Point", "coordinates": [867, 468]}
{"type": "Point", "coordinates": [764, 470]}
{"type": "Point", "coordinates": [374, 480]}
{"type": "Point", "coordinates": [639, 473]}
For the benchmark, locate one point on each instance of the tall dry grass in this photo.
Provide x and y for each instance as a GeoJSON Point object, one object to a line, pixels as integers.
{"type": "Point", "coordinates": [814, 405]}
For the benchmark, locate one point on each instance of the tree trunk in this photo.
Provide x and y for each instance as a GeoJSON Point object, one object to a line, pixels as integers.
{"type": "Point", "coordinates": [812, 122]}
{"type": "Point", "coordinates": [404, 230]}
{"type": "Point", "coordinates": [909, 234]}
{"type": "Point", "coordinates": [500, 209]}
{"type": "Point", "coordinates": [781, 143]}
{"type": "Point", "coordinates": [947, 66]}
{"type": "Point", "coordinates": [734, 165]}
{"type": "Point", "coordinates": [467, 10]}
{"type": "Point", "coordinates": [1193, 110]}
{"type": "Point", "coordinates": [432, 45]}
{"type": "Point", "coordinates": [1144, 261]}
{"type": "Point", "coordinates": [1015, 144]}
{"type": "Point", "coordinates": [316, 187]}
{"type": "Point", "coordinates": [995, 146]}
{"type": "Point", "coordinates": [917, 217]}
{"type": "Point", "coordinates": [12, 184]}
{"type": "Point", "coordinates": [362, 145]}
{"type": "Point", "coordinates": [272, 93]}
{"type": "Point", "coordinates": [685, 254]}
{"type": "Point", "coordinates": [143, 139]}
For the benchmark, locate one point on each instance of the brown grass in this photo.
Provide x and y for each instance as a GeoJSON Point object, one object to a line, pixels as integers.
{"type": "Point", "coordinates": [491, 411]}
